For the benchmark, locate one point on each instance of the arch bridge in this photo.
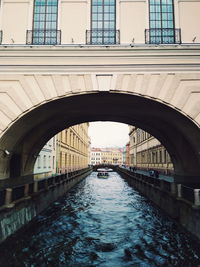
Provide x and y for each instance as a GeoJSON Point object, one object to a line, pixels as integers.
{"type": "Point", "coordinates": [44, 90]}
{"type": "Point", "coordinates": [108, 166]}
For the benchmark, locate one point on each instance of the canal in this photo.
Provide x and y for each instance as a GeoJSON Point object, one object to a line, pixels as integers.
{"type": "Point", "coordinates": [101, 222]}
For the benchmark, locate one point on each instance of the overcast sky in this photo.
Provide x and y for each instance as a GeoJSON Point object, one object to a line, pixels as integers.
{"type": "Point", "coordinates": [108, 134]}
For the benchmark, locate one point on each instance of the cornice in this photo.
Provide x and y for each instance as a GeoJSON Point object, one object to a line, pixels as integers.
{"type": "Point", "coordinates": [87, 51]}
{"type": "Point", "coordinates": [92, 48]}
{"type": "Point", "coordinates": [111, 69]}
{"type": "Point", "coordinates": [62, 59]}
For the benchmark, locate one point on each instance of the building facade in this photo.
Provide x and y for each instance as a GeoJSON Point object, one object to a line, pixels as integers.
{"type": "Point", "coordinates": [45, 164]}
{"type": "Point", "coordinates": [124, 155]}
{"type": "Point", "coordinates": [146, 152]}
{"type": "Point", "coordinates": [73, 148]}
{"type": "Point", "coordinates": [95, 156]}
{"type": "Point", "coordinates": [113, 156]}
{"type": "Point", "coordinates": [92, 22]}
{"type": "Point", "coordinates": [128, 154]}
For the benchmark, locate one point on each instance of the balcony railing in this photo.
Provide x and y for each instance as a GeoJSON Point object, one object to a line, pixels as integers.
{"type": "Point", "coordinates": [1, 36]}
{"type": "Point", "coordinates": [43, 37]}
{"type": "Point", "coordinates": [163, 36]}
{"type": "Point", "coordinates": [102, 37]}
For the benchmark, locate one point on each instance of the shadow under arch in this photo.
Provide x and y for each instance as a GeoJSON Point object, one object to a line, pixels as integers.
{"type": "Point", "coordinates": [26, 137]}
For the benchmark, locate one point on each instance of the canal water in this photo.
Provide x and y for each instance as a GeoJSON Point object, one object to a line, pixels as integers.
{"type": "Point", "coordinates": [105, 223]}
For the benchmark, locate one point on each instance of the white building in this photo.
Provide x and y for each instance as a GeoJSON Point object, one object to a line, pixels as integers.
{"type": "Point", "coordinates": [45, 164]}
{"type": "Point", "coordinates": [95, 156]}
{"type": "Point", "coordinates": [99, 22]}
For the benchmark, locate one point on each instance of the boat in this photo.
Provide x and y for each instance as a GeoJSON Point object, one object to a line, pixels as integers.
{"type": "Point", "coordinates": [102, 173]}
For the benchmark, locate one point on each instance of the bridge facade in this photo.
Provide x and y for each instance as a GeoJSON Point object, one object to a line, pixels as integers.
{"type": "Point", "coordinates": [46, 89]}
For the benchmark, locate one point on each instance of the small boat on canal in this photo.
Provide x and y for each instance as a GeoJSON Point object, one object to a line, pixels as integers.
{"type": "Point", "coordinates": [102, 173]}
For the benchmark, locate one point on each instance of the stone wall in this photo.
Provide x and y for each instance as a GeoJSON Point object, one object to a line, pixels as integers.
{"type": "Point", "coordinates": [168, 199]}
{"type": "Point", "coordinates": [20, 212]}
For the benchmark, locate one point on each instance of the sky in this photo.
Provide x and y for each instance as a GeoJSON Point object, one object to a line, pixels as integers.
{"type": "Point", "coordinates": [108, 134]}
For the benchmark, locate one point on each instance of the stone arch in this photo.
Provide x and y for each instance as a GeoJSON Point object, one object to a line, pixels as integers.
{"type": "Point", "coordinates": [35, 107]}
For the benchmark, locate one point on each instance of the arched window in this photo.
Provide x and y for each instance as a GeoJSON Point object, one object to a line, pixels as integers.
{"type": "Point", "coordinates": [103, 22]}
{"type": "Point", "coordinates": [161, 23]}
{"type": "Point", "coordinates": [45, 22]}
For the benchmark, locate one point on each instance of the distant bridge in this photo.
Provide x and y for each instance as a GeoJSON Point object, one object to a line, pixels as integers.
{"type": "Point", "coordinates": [110, 166]}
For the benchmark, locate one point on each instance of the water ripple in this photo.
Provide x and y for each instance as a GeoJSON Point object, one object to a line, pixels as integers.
{"type": "Point", "coordinates": [103, 223]}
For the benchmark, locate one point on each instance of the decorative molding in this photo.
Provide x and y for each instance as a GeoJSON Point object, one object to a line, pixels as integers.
{"type": "Point", "coordinates": [62, 59]}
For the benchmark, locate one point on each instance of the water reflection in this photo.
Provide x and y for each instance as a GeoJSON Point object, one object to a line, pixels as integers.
{"type": "Point", "coordinates": [102, 223]}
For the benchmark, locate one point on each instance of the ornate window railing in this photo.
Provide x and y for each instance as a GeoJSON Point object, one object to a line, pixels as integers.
{"type": "Point", "coordinates": [163, 36]}
{"type": "Point", "coordinates": [102, 37]}
{"type": "Point", "coordinates": [1, 36]}
{"type": "Point", "coordinates": [43, 37]}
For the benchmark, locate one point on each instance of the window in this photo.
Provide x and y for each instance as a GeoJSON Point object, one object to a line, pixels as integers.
{"type": "Point", "coordinates": [103, 22]}
{"type": "Point", "coordinates": [44, 161]}
{"type": "Point", "coordinates": [66, 138]}
{"type": "Point", "coordinates": [54, 142]}
{"type": "Point", "coordinates": [53, 162]}
{"type": "Point", "coordinates": [65, 160]}
{"type": "Point", "coordinates": [165, 156]}
{"type": "Point", "coordinates": [49, 162]}
{"type": "Point", "coordinates": [45, 22]}
{"type": "Point", "coordinates": [161, 22]}
{"type": "Point", "coordinates": [156, 157]}
{"type": "Point", "coordinates": [60, 159]}
{"type": "Point", "coordinates": [39, 161]}
{"type": "Point", "coordinates": [160, 156]}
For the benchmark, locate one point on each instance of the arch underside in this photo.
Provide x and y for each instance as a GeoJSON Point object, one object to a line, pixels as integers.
{"type": "Point", "coordinates": [27, 135]}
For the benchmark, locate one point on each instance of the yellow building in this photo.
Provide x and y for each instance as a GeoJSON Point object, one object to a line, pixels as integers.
{"type": "Point", "coordinates": [113, 156]}
{"type": "Point", "coordinates": [146, 152]}
{"type": "Point", "coordinates": [73, 148]}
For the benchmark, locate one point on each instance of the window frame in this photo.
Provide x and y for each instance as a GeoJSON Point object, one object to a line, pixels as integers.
{"type": "Point", "coordinates": [103, 32]}
{"type": "Point", "coordinates": [162, 34]}
{"type": "Point", "coordinates": [45, 35]}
